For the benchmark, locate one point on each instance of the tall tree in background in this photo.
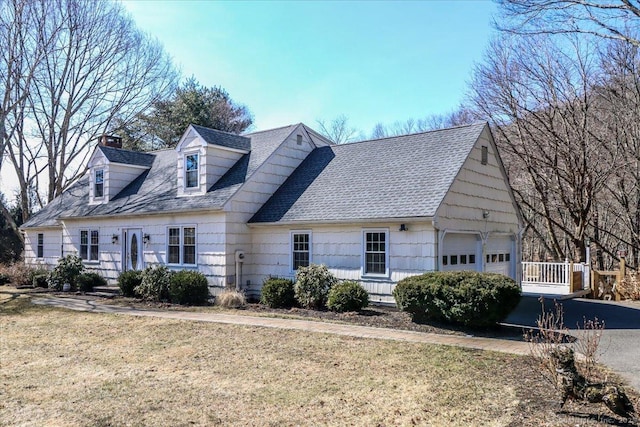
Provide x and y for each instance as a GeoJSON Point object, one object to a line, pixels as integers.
{"type": "Point", "coordinates": [614, 20]}
{"type": "Point", "coordinates": [548, 124]}
{"type": "Point", "coordinates": [23, 47]}
{"type": "Point", "coordinates": [338, 130]}
{"type": "Point", "coordinates": [191, 103]}
{"type": "Point", "coordinates": [92, 67]}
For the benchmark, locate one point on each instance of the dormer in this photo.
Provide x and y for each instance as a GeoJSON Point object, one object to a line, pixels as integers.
{"type": "Point", "coordinates": [204, 155]}
{"type": "Point", "coordinates": [112, 168]}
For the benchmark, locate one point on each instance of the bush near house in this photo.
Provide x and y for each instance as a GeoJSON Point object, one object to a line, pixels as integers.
{"type": "Point", "coordinates": [38, 277]}
{"type": "Point", "coordinates": [230, 298]}
{"type": "Point", "coordinates": [88, 281]}
{"type": "Point", "coordinates": [278, 293]}
{"type": "Point", "coordinates": [188, 287]}
{"type": "Point", "coordinates": [466, 298]}
{"type": "Point", "coordinates": [128, 281]}
{"type": "Point", "coordinates": [66, 271]}
{"type": "Point", "coordinates": [154, 284]}
{"type": "Point", "coordinates": [347, 296]}
{"type": "Point", "coordinates": [18, 274]}
{"type": "Point", "coordinates": [312, 286]}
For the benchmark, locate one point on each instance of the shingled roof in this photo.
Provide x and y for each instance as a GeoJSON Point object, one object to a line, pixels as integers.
{"type": "Point", "coordinates": [155, 190]}
{"type": "Point", "coordinates": [399, 177]}
{"type": "Point", "coordinates": [224, 139]}
{"type": "Point", "coordinates": [116, 155]}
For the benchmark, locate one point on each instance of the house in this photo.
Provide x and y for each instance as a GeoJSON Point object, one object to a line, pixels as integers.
{"type": "Point", "coordinates": [240, 208]}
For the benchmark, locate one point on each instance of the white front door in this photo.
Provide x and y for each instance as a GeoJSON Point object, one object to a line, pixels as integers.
{"type": "Point", "coordinates": [132, 253]}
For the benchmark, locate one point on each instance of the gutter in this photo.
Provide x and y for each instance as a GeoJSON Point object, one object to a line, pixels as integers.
{"type": "Point", "coordinates": [357, 221]}
{"type": "Point", "coordinates": [135, 215]}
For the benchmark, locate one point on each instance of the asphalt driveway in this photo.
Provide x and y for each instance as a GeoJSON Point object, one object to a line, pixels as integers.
{"type": "Point", "coordinates": [620, 344]}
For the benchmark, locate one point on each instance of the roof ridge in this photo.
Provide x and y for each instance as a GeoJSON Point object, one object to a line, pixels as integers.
{"type": "Point", "coordinates": [216, 130]}
{"type": "Point", "coordinates": [271, 130]}
{"type": "Point", "coordinates": [476, 123]}
{"type": "Point", "coordinates": [124, 149]}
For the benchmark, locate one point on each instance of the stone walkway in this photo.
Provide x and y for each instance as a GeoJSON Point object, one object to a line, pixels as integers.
{"type": "Point", "coordinates": [479, 343]}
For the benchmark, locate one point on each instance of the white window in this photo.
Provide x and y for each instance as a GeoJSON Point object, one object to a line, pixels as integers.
{"type": "Point", "coordinates": [40, 248]}
{"type": "Point", "coordinates": [376, 252]}
{"type": "Point", "coordinates": [98, 186]}
{"type": "Point", "coordinates": [89, 244]}
{"type": "Point", "coordinates": [181, 245]}
{"type": "Point", "coordinates": [300, 249]}
{"type": "Point", "coordinates": [192, 171]}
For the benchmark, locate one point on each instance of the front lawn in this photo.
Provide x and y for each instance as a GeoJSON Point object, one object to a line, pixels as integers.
{"type": "Point", "coordinates": [70, 368]}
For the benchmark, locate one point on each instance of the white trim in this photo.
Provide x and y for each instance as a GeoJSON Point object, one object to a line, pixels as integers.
{"type": "Point", "coordinates": [95, 183]}
{"type": "Point", "coordinates": [88, 259]}
{"type": "Point", "coordinates": [387, 247]}
{"type": "Point", "coordinates": [195, 188]}
{"type": "Point", "coordinates": [291, 233]}
{"type": "Point", "coordinates": [181, 245]}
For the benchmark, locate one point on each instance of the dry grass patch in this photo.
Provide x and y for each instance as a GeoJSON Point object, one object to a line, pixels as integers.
{"type": "Point", "coordinates": [69, 368]}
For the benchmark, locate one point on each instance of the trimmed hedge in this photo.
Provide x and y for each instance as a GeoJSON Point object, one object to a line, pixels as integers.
{"type": "Point", "coordinates": [459, 297]}
{"type": "Point", "coordinates": [188, 287]}
{"type": "Point", "coordinates": [312, 286]}
{"type": "Point", "coordinates": [347, 296]}
{"type": "Point", "coordinates": [128, 281]}
{"type": "Point", "coordinates": [88, 281]}
{"type": "Point", "coordinates": [278, 293]}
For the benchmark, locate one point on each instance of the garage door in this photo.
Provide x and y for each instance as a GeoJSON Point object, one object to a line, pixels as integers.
{"type": "Point", "coordinates": [460, 252]}
{"type": "Point", "coordinates": [499, 254]}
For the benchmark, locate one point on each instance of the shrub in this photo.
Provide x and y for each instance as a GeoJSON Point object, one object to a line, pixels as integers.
{"type": "Point", "coordinates": [459, 297]}
{"type": "Point", "coordinates": [128, 281]}
{"type": "Point", "coordinates": [188, 287]}
{"type": "Point", "coordinates": [231, 299]}
{"type": "Point", "coordinates": [18, 274]}
{"type": "Point", "coordinates": [38, 277]}
{"type": "Point", "coordinates": [88, 281]}
{"type": "Point", "coordinates": [66, 271]}
{"type": "Point", "coordinates": [277, 292]}
{"type": "Point", "coordinates": [347, 296]}
{"type": "Point", "coordinates": [4, 278]}
{"type": "Point", "coordinates": [312, 286]}
{"type": "Point", "coordinates": [155, 283]}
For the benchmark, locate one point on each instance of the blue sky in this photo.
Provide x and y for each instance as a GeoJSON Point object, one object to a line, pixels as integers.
{"type": "Point", "coordinates": [290, 62]}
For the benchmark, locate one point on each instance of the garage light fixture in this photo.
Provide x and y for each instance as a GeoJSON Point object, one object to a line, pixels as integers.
{"type": "Point", "coordinates": [114, 239]}
{"type": "Point", "coordinates": [485, 214]}
{"type": "Point", "coordinates": [403, 227]}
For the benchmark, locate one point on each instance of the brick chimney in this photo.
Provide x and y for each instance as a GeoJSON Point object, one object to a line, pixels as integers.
{"type": "Point", "coordinates": [110, 141]}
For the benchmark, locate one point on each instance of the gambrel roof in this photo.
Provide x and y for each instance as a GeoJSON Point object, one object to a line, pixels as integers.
{"type": "Point", "coordinates": [397, 177]}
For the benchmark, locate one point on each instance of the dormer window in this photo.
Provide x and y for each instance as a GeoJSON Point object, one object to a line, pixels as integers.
{"type": "Point", "coordinates": [191, 171]}
{"type": "Point", "coordinates": [98, 189]}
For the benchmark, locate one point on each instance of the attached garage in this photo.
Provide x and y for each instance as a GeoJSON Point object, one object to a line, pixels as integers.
{"type": "Point", "coordinates": [500, 255]}
{"type": "Point", "coordinates": [461, 251]}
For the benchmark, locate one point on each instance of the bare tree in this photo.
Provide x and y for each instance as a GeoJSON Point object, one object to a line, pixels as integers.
{"type": "Point", "coordinates": [615, 20]}
{"type": "Point", "coordinates": [100, 68]}
{"type": "Point", "coordinates": [23, 48]}
{"type": "Point", "coordinates": [337, 130]}
{"type": "Point", "coordinates": [538, 96]}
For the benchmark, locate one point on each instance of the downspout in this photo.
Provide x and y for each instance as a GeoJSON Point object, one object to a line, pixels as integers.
{"type": "Point", "coordinates": [239, 261]}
